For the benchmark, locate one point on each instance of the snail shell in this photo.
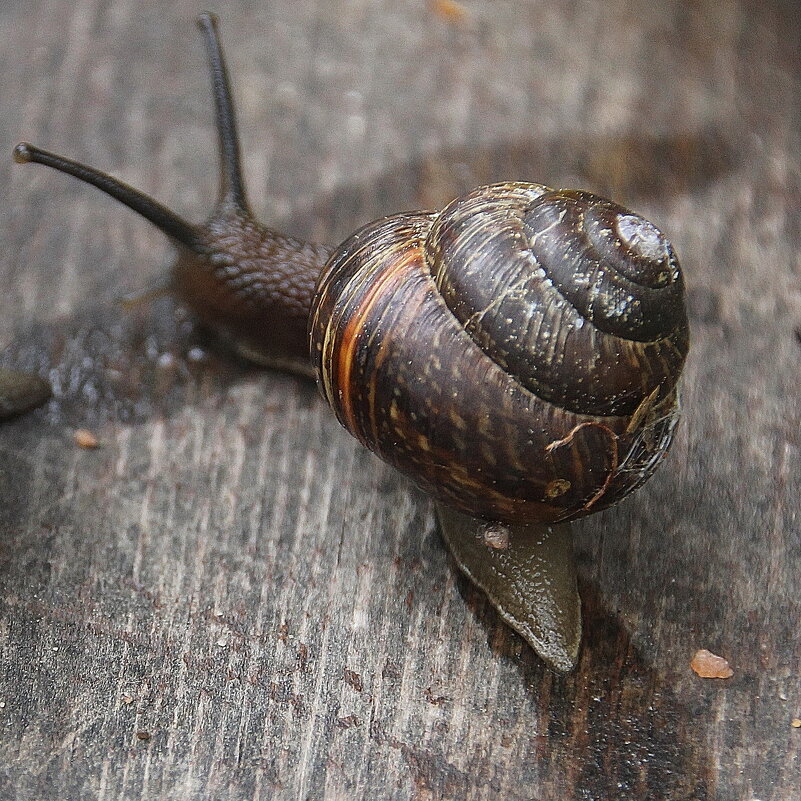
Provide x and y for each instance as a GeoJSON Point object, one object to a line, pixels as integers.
{"type": "Point", "coordinates": [516, 354]}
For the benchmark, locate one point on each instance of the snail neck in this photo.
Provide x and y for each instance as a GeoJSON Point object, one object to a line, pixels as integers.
{"type": "Point", "coordinates": [253, 285]}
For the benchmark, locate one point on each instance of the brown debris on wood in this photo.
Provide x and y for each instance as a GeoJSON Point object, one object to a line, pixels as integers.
{"type": "Point", "coordinates": [450, 10]}
{"type": "Point", "coordinates": [710, 666]}
{"type": "Point", "coordinates": [86, 439]}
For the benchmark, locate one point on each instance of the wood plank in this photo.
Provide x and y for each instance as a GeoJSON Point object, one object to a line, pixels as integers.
{"type": "Point", "coordinates": [230, 599]}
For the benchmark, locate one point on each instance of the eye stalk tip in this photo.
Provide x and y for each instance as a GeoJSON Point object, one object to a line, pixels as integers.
{"type": "Point", "coordinates": [23, 153]}
{"type": "Point", "coordinates": [207, 20]}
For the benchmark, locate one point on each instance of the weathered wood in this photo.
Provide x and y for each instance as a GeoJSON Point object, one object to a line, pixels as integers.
{"type": "Point", "coordinates": [229, 599]}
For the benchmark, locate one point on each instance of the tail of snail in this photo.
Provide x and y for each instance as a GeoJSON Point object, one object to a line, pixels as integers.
{"type": "Point", "coordinates": [516, 354]}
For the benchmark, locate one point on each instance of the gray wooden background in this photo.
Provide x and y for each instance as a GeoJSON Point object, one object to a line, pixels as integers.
{"type": "Point", "coordinates": [230, 599]}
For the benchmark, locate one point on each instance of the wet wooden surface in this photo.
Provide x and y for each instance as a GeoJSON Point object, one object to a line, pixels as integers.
{"type": "Point", "coordinates": [229, 599]}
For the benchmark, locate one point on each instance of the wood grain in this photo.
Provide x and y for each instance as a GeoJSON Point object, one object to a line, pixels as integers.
{"type": "Point", "coordinates": [229, 599]}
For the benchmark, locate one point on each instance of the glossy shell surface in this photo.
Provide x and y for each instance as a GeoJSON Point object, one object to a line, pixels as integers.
{"type": "Point", "coordinates": [517, 354]}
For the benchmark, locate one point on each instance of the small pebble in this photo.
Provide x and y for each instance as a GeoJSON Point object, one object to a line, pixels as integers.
{"type": "Point", "coordinates": [86, 439]}
{"type": "Point", "coordinates": [496, 536]}
{"type": "Point", "coordinates": [450, 10]}
{"type": "Point", "coordinates": [710, 666]}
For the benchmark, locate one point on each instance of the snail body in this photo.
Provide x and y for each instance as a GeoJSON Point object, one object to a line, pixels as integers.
{"type": "Point", "coordinates": [516, 354]}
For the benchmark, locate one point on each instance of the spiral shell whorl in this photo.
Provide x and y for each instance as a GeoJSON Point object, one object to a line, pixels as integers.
{"type": "Point", "coordinates": [446, 377]}
{"type": "Point", "coordinates": [581, 300]}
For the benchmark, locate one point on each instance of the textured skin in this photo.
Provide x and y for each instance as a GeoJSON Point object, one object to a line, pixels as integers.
{"type": "Point", "coordinates": [406, 378]}
{"type": "Point", "coordinates": [531, 581]}
{"type": "Point", "coordinates": [253, 286]}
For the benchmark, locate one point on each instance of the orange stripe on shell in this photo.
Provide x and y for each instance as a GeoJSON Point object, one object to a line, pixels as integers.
{"type": "Point", "coordinates": [382, 286]}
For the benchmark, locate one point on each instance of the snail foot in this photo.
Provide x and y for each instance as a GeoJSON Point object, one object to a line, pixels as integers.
{"type": "Point", "coordinates": [529, 575]}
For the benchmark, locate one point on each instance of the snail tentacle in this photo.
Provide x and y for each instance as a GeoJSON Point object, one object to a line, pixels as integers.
{"type": "Point", "coordinates": [163, 218]}
{"type": "Point", "coordinates": [232, 185]}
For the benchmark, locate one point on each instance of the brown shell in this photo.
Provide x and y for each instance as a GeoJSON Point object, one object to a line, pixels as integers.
{"type": "Point", "coordinates": [516, 355]}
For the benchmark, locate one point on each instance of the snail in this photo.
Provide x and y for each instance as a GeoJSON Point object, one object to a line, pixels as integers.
{"type": "Point", "coordinates": [517, 354]}
{"type": "Point", "coordinates": [20, 392]}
